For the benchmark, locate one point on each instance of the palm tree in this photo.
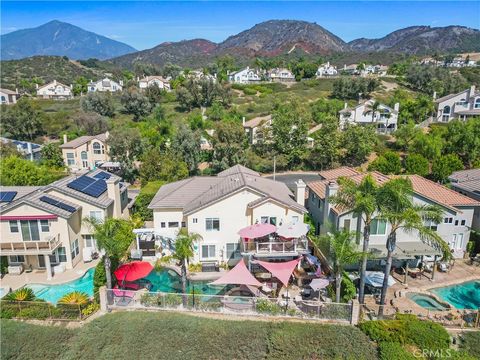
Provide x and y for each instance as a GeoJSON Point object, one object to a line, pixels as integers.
{"type": "Point", "coordinates": [22, 294]}
{"type": "Point", "coordinates": [183, 253]}
{"type": "Point", "coordinates": [398, 209]}
{"type": "Point", "coordinates": [373, 107]}
{"type": "Point", "coordinates": [361, 199]}
{"type": "Point", "coordinates": [343, 251]}
{"type": "Point", "coordinates": [114, 236]}
{"type": "Point", "coordinates": [75, 297]}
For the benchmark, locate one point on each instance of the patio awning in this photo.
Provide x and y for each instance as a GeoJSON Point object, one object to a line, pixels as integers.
{"type": "Point", "coordinates": [318, 284]}
{"type": "Point", "coordinates": [406, 250]}
{"type": "Point", "coordinates": [239, 275]}
{"type": "Point", "coordinates": [257, 230]}
{"type": "Point", "coordinates": [281, 270]}
{"type": "Point", "coordinates": [292, 230]}
{"type": "Point", "coordinates": [375, 279]}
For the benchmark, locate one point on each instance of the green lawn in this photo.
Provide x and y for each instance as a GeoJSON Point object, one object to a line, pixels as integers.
{"type": "Point", "coordinates": [141, 335]}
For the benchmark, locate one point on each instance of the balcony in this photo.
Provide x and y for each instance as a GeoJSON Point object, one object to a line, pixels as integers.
{"type": "Point", "coordinates": [42, 247]}
{"type": "Point", "coordinates": [296, 246]}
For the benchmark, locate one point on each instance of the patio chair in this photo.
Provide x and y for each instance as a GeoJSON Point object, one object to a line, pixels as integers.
{"type": "Point", "coordinates": [122, 297]}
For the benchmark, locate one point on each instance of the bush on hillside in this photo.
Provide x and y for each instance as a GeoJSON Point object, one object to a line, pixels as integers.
{"type": "Point", "coordinates": [393, 350]}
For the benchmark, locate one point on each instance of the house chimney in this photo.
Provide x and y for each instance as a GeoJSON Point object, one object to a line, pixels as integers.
{"type": "Point", "coordinates": [472, 91]}
{"type": "Point", "coordinates": [345, 105]}
{"type": "Point", "coordinates": [36, 86]}
{"type": "Point", "coordinates": [65, 139]}
{"type": "Point", "coordinates": [396, 107]}
{"type": "Point", "coordinates": [243, 120]}
{"type": "Point", "coordinates": [331, 189]}
{"type": "Point", "coordinates": [121, 82]}
{"type": "Point", "coordinates": [434, 95]}
{"type": "Point", "coordinates": [113, 192]}
{"type": "Point", "coordinates": [30, 151]}
{"type": "Point", "coordinates": [54, 82]}
{"type": "Point", "coordinates": [138, 78]}
{"type": "Point", "coordinates": [107, 134]}
{"type": "Point", "coordinates": [300, 192]}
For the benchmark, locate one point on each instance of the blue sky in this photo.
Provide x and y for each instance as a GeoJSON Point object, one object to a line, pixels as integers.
{"type": "Point", "coordinates": [146, 24]}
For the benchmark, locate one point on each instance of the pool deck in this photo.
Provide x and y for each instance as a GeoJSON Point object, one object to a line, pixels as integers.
{"type": "Point", "coordinates": [40, 276]}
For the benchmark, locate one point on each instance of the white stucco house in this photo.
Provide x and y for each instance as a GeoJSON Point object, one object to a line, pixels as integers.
{"type": "Point", "coordinates": [105, 85]}
{"type": "Point", "coordinates": [55, 90]}
{"type": "Point", "coordinates": [385, 119]}
{"type": "Point", "coordinates": [467, 182]}
{"type": "Point", "coordinates": [461, 106]}
{"type": "Point", "coordinates": [245, 76]}
{"type": "Point", "coordinates": [158, 80]}
{"type": "Point", "coordinates": [8, 97]}
{"type": "Point", "coordinates": [281, 75]}
{"type": "Point", "coordinates": [217, 207]}
{"type": "Point", "coordinates": [455, 227]}
{"type": "Point", "coordinates": [326, 70]}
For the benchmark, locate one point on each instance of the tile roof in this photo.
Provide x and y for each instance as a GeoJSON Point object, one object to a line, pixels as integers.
{"type": "Point", "coordinates": [257, 121]}
{"type": "Point", "coordinates": [449, 96]}
{"type": "Point", "coordinates": [465, 175]}
{"type": "Point", "coordinates": [472, 186]}
{"type": "Point", "coordinates": [82, 140]}
{"type": "Point", "coordinates": [21, 192]}
{"type": "Point", "coordinates": [338, 172]}
{"type": "Point", "coordinates": [238, 169]}
{"type": "Point", "coordinates": [8, 92]}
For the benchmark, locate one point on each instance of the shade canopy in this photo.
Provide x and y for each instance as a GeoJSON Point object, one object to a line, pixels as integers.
{"type": "Point", "coordinates": [239, 275]}
{"type": "Point", "coordinates": [281, 270]}
{"type": "Point", "coordinates": [375, 279]}
{"type": "Point", "coordinates": [133, 271]}
{"type": "Point", "coordinates": [292, 230]}
{"type": "Point", "coordinates": [318, 284]}
{"type": "Point", "coordinates": [257, 231]}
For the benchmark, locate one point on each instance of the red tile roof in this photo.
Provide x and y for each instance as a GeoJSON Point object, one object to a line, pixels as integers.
{"type": "Point", "coordinates": [338, 172]}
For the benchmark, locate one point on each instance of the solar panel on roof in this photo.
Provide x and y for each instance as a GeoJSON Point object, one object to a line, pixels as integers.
{"type": "Point", "coordinates": [89, 186]}
{"type": "Point", "coordinates": [102, 175]}
{"type": "Point", "coordinates": [58, 204]}
{"type": "Point", "coordinates": [81, 183]}
{"type": "Point", "coordinates": [7, 196]}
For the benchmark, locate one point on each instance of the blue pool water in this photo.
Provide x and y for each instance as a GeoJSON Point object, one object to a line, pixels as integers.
{"type": "Point", "coordinates": [426, 301]}
{"type": "Point", "coordinates": [461, 296]}
{"type": "Point", "coordinates": [53, 293]}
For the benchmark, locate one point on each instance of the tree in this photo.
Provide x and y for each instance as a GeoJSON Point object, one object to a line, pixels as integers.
{"type": "Point", "coordinates": [399, 210]}
{"type": "Point", "coordinates": [186, 144]}
{"type": "Point", "coordinates": [344, 252]}
{"type": "Point", "coordinates": [229, 142]}
{"type": "Point", "coordinates": [21, 121]}
{"type": "Point", "coordinates": [114, 236]}
{"type": "Point", "coordinates": [387, 163]}
{"type": "Point", "coordinates": [136, 104]}
{"type": "Point", "coordinates": [90, 123]}
{"type": "Point", "coordinates": [461, 138]}
{"type": "Point", "coordinates": [52, 156]}
{"type": "Point", "coordinates": [202, 93]}
{"type": "Point", "coordinates": [417, 164]}
{"type": "Point", "coordinates": [362, 200]}
{"type": "Point", "coordinates": [354, 88]}
{"type": "Point", "coordinates": [164, 166]}
{"type": "Point", "coordinates": [183, 253]}
{"type": "Point", "coordinates": [373, 108]}
{"type": "Point", "coordinates": [406, 134]}
{"type": "Point", "coordinates": [80, 86]}
{"type": "Point", "coordinates": [323, 110]}
{"type": "Point", "coordinates": [15, 171]}
{"type": "Point", "coordinates": [125, 147]}
{"type": "Point", "coordinates": [100, 103]}
{"type": "Point", "coordinates": [444, 166]}
{"type": "Point", "coordinates": [428, 145]}
{"type": "Point", "coordinates": [9, 149]}
{"type": "Point", "coordinates": [326, 150]}
{"type": "Point", "coordinates": [154, 94]}
{"type": "Point", "coordinates": [358, 142]}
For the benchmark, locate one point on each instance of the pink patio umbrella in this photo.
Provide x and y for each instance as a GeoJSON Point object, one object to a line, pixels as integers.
{"type": "Point", "coordinates": [239, 275]}
{"type": "Point", "coordinates": [257, 231]}
{"type": "Point", "coordinates": [281, 270]}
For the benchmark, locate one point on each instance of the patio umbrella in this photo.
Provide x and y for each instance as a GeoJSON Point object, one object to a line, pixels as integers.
{"type": "Point", "coordinates": [292, 230]}
{"type": "Point", "coordinates": [318, 284]}
{"type": "Point", "coordinates": [133, 271]}
{"type": "Point", "coordinates": [257, 230]}
{"type": "Point", "coordinates": [375, 279]}
{"type": "Point", "coordinates": [281, 270]}
{"type": "Point", "coordinates": [239, 275]}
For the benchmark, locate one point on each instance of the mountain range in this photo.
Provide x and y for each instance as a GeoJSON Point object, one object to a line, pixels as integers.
{"type": "Point", "coordinates": [60, 38]}
{"type": "Point", "coordinates": [267, 39]}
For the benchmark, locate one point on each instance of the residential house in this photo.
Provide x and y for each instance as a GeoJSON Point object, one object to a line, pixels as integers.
{"type": "Point", "coordinates": [380, 70]}
{"type": "Point", "coordinates": [311, 131]}
{"type": "Point", "coordinates": [326, 70]}
{"type": "Point", "coordinates": [199, 75]}
{"type": "Point", "coordinates": [455, 227]}
{"type": "Point", "coordinates": [105, 85]}
{"type": "Point", "coordinates": [43, 227]}
{"type": "Point", "coordinates": [217, 207]}
{"type": "Point", "coordinates": [461, 105]}
{"type": "Point", "coordinates": [158, 80]}
{"type": "Point", "coordinates": [85, 152]}
{"type": "Point", "coordinates": [281, 75]}
{"type": "Point", "coordinates": [55, 90]}
{"type": "Point", "coordinates": [30, 151]}
{"type": "Point", "coordinates": [351, 69]}
{"type": "Point", "coordinates": [9, 97]}
{"type": "Point", "coordinates": [253, 127]}
{"type": "Point", "coordinates": [245, 76]}
{"type": "Point", "coordinates": [467, 182]}
{"type": "Point", "coordinates": [385, 118]}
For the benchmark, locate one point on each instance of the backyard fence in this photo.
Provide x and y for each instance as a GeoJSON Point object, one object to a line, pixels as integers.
{"type": "Point", "coordinates": [233, 305]}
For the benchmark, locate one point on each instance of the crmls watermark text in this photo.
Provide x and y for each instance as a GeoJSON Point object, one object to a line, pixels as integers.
{"type": "Point", "coordinates": [437, 354]}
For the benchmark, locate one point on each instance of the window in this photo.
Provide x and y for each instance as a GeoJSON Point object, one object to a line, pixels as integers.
{"type": "Point", "coordinates": [16, 259]}
{"type": "Point", "coordinates": [294, 219]}
{"type": "Point", "coordinates": [184, 224]}
{"type": "Point", "coordinates": [70, 159]}
{"type": "Point", "coordinates": [208, 251]}
{"type": "Point", "coordinates": [378, 227]}
{"type": "Point", "coordinates": [30, 230]}
{"type": "Point", "coordinates": [346, 224]}
{"type": "Point", "coordinates": [212, 224]}
{"type": "Point", "coordinates": [97, 148]}
{"type": "Point", "coordinates": [162, 224]}
{"type": "Point", "coordinates": [319, 203]}
{"type": "Point", "coordinates": [173, 224]}
{"type": "Point", "coordinates": [97, 215]}
{"type": "Point", "coordinates": [62, 254]}
{"type": "Point", "coordinates": [89, 241]}
{"type": "Point", "coordinates": [232, 251]}
{"type": "Point", "coordinates": [75, 249]}
{"type": "Point", "coordinates": [456, 222]}
{"type": "Point", "coordinates": [448, 220]}
{"type": "Point", "coordinates": [195, 220]}
{"type": "Point", "coordinates": [446, 113]}
{"type": "Point", "coordinates": [13, 226]}
{"type": "Point", "coordinates": [84, 157]}
{"type": "Point", "coordinates": [431, 225]}
{"type": "Point", "coordinates": [264, 219]}
{"type": "Point", "coordinates": [44, 225]}
{"type": "Point", "coordinates": [477, 103]}
{"type": "Point", "coordinates": [463, 222]}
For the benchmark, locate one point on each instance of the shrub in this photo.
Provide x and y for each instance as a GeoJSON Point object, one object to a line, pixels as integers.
{"type": "Point", "coordinates": [99, 277]}
{"type": "Point", "coordinates": [249, 91]}
{"type": "Point", "coordinates": [392, 350]}
{"type": "Point", "coordinates": [22, 294]}
{"type": "Point", "coordinates": [3, 265]}
{"type": "Point", "coordinates": [75, 297]}
{"type": "Point", "coordinates": [348, 291]}
{"type": "Point", "coordinates": [90, 309]}
{"type": "Point", "coordinates": [470, 343]}
{"type": "Point", "coordinates": [173, 300]}
{"type": "Point", "coordinates": [268, 307]}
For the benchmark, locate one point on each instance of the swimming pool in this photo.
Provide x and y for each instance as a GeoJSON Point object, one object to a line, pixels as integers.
{"type": "Point", "coordinates": [462, 296]}
{"type": "Point", "coordinates": [426, 301]}
{"type": "Point", "coordinates": [53, 293]}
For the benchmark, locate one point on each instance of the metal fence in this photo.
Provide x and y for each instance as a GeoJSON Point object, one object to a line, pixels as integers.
{"type": "Point", "coordinates": [236, 305]}
{"type": "Point", "coordinates": [43, 310]}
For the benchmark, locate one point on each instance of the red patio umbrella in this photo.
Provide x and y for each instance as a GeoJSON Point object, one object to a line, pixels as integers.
{"type": "Point", "coordinates": [133, 271]}
{"type": "Point", "coordinates": [257, 230]}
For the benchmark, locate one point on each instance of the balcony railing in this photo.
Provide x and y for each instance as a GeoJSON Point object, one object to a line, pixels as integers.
{"type": "Point", "coordinates": [272, 247]}
{"type": "Point", "coordinates": [30, 247]}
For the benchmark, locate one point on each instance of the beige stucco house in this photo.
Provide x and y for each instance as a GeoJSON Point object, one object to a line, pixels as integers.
{"type": "Point", "coordinates": [8, 97]}
{"type": "Point", "coordinates": [105, 85]}
{"type": "Point", "coordinates": [253, 127]}
{"type": "Point", "coordinates": [55, 90]}
{"type": "Point", "coordinates": [85, 152]}
{"type": "Point", "coordinates": [153, 80]}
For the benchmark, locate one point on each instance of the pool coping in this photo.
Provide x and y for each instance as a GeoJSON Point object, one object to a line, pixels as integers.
{"type": "Point", "coordinates": [60, 283]}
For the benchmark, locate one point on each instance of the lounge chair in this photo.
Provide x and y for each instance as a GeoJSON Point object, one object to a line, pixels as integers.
{"type": "Point", "coordinates": [122, 297]}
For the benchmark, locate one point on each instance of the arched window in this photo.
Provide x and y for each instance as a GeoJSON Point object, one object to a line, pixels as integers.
{"type": "Point", "coordinates": [97, 148]}
{"type": "Point", "coordinates": [4, 100]}
{"type": "Point", "coordinates": [477, 103]}
{"type": "Point", "coordinates": [84, 157]}
{"type": "Point", "coordinates": [446, 113]}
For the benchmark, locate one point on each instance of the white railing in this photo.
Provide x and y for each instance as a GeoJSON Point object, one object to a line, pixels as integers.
{"type": "Point", "coordinates": [31, 247]}
{"type": "Point", "coordinates": [293, 246]}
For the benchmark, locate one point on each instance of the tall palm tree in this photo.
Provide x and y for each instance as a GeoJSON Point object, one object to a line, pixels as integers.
{"type": "Point", "coordinates": [401, 213]}
{"type": "Point", "coordinates": [344, 252]}
{"type": "Point", "coordinates": [373, 107]}
{"type": "Point", "coordinates": [183, 253]}
{"type": "Point", "coordinates": [361, 199]}
{"type": "Point", "coordinates": [114, 236]}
